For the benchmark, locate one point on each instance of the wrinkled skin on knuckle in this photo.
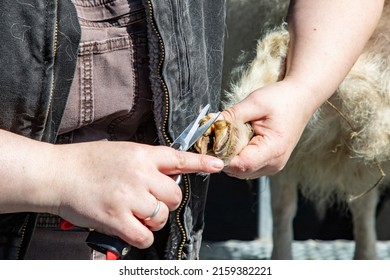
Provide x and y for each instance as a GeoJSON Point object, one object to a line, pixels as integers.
{"type": "Point", "coordinates": [181, 161]}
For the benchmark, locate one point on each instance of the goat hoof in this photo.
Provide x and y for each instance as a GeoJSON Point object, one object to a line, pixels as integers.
{"type": "Point", "coordinates": [224, 139]}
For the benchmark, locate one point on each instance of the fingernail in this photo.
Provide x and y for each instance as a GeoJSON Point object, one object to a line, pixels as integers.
{"type": "Point", "coordinates": [216, 163]}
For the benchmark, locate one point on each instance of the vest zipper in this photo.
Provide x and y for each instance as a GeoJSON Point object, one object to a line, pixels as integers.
{"type": "Point", "coordinates": [55, 43]}
{"type": "Point", "coordinates": [23, 231]}
{"type": "Point", "coordinates": [164, 132]}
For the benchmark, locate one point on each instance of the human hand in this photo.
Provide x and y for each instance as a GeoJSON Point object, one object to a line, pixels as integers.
{"type": "Point", "coordinates": [278, 114]}
{"type": "Point", "coordinates": [112, 187]}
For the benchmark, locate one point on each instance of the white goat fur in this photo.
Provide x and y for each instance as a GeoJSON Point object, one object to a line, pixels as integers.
{"type": "Point", "coordinates": [332, 158]}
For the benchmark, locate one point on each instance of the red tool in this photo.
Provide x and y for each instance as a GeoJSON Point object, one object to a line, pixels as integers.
{"type": "Point", "coordinates": [65, 225]}
{"type": "Point", "coordinates": [112, 247]}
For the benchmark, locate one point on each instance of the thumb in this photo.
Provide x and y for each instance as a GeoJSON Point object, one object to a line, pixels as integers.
{"type": "Point", "coordinates": [242, 111]}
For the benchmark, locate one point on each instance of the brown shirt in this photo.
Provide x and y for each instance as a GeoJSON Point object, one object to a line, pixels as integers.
{"type": "Point", "coordinates": [110, 98]}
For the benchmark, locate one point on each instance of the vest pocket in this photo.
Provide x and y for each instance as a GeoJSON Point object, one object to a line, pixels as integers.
{"type": "Point", "coordinates": [105, 82]}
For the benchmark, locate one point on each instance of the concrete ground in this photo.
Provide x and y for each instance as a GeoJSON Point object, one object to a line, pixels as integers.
{"type": "Point", "coordinates": [302, 250]}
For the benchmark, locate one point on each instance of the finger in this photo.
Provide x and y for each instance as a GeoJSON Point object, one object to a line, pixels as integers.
{"type": "Point", "coordinates": [132, 231]}
{"type": "Point", "coordinates": [254, 107]}
{"type": "Point", "coordinates": [167, 190]}
{"type": "Point", "coordinates": [137, 234]}
{"type": "Point", "coordinates": [145, 206]}
{"type": "Point", "coordinates": [158, 218]}
{"type": "Point", "coordinates": [220, 117]}
{"type": "Point", "coordinates": [254, 161]}
{"type": "Point", "coordinates": [240, 111]}
{"type": "Point", "coordinates": [177, 162]}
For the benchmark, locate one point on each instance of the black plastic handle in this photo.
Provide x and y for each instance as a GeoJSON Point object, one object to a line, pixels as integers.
{"type": "Point", "coordinates": [104, 243]}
